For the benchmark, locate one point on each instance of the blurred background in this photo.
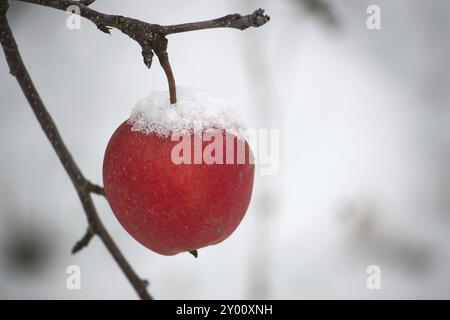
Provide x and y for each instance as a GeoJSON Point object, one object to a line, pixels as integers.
{"type": "Point", "coordinates": [364, 175]}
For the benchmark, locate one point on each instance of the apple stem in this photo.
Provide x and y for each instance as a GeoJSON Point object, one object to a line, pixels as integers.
{"type": "Point", "coordinates": [165, 64]}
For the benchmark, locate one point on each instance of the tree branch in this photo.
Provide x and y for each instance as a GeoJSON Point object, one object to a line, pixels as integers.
{"type": "Point", "coordinates": [236, 21]}
{"type": "Point", "coordinates": [152, 39]}
{"type": "Point", "coordinates": [81, 184]}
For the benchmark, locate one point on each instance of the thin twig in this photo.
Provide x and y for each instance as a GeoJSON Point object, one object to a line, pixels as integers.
{"type": "Point", "coordinates": [151, 37]}
{"type": "Point", "coordinates": [17, 69]}
{"type": "Point", "coordinates": [93, 188]}
{"type": "Point", "coordinates": [236, 21]}
{"type": "Point", "coordinates": [83, 242]}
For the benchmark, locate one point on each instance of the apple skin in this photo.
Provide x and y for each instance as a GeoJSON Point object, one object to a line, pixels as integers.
{"type": "Point", "coordinates": [171, 208]}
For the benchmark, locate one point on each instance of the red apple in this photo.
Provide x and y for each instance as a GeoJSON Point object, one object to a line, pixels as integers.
{"type": "Point", "coordinates": [168, 207]}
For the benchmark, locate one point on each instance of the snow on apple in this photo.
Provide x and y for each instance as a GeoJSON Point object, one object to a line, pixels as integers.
{"type": "Point", "coordinates": [179, 177]}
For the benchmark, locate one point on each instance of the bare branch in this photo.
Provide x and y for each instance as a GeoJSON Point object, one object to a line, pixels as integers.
{"type": "Point", "coordinates": [236, 21]}
{"type": "Point", "coordinates": [151, 37]}
{"type": "Point", "coordinates": [147, 35]}
{"type": "Point", "coordinates": [83, 242]}
{"type": "Point", "coordinates": [17, 69]}
{"type": "Point", "coordinates": [93, 188]}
